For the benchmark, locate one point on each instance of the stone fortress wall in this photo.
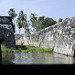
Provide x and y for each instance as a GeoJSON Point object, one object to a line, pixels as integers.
{"type": "Point", "coordinates": [7, 32]}
{"type": "Point", "coordinates": [60, 36]}
{"type": "Point", "coordinates": [21, 39]}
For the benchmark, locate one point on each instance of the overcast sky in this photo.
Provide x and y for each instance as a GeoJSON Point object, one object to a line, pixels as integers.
{"type": "Point", "coordinates": [50, 8]}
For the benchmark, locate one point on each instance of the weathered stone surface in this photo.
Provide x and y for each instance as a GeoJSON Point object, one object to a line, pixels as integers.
{"type": "Point", "coordinates": [19, 39]}
{"type": "Point", "coordinates": [7, 32]}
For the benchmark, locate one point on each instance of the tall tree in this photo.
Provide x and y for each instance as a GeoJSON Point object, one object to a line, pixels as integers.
{"type": "Point", "coordinates": [27, 29]}
{"type": "Point", "coordinates": [33, 20]}
{"type": "Point", "coordinates": [41, 22]}
{"type": "Point", "coordinates": [22, 20]}
{"type": "Point", "coordinates": [66, 18]}
{"type": "Point", "coordinates": [12, 13]}
{"type": "Point", "coordinates": [48, 22]}
{"type": "Point", "coordinates": [60, 20]}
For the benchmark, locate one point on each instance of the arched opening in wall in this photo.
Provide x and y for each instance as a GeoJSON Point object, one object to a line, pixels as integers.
{"type": "Point", "coordinates": [21, 43]}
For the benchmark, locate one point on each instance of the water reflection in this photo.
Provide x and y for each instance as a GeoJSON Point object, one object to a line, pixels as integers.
{"type": "Point", "coordinates": [36, 58]}
{"type": "Point", "coordinates": [7, 58]}
{"type": "Point", "coordinates": [63, 59]}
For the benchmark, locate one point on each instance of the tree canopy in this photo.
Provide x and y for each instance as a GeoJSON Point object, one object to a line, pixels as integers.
{"type": "Point", "coordinates": [37, 23]}
{"type": "Point", "coordinates": [12, 13]}
{"type": "Point", "coordinates": [40, 22]}
{"type": "Point", "coordinates": [60, 20]}
{"type": "Point", "coordinates": [21, 20]}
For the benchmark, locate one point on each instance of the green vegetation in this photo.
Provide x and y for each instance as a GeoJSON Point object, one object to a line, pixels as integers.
{"type": "Point", "coordinates": [3, 48]}
{"type": "Point", "coordinates": [22, 22]}
{"type": "Point", "coordinates": [67, 18]}
{"type": "Point", "coordinates": [27, 48]}
{"type": "Point", "coordinates": [60, 20]}
{"type": "Point", "coordinates": [12, 13]}
{"type": "Point", "coordinates": [33, 48]}
{"type": "Point", "coordinates": [34, 24]}
{"type": "Point", "coordinates": [39, 23]}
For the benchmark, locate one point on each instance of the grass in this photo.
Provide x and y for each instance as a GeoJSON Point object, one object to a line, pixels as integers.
{"type": "Point", "coordinates": [33, 48]}
{"type": "Point", "coordinates": [3, 49]}
{"type": "Point", "coordinates": [27, 48]}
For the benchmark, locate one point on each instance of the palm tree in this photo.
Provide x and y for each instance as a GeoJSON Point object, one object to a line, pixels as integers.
{"type": "Point", "coordinates": [60, 20]}
{"type": "Point", "coordinates": [33, 20]}
{"type": "Point", "coordinates": [21, 20]}
{"type": "Point", "coordinates": [12, 13]}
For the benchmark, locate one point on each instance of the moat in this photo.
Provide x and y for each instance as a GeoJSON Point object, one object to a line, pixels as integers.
{"type": "Point", "coordinates": [36, 58]}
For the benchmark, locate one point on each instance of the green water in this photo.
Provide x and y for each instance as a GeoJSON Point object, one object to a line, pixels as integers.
{"type": "Point", "coordinates": [36, 58]}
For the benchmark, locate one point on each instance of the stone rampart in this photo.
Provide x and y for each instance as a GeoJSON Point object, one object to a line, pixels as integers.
{"type": "Point", "coordinates": [7, 32]}
{"type": "Point", "coordinates": [60, 36]}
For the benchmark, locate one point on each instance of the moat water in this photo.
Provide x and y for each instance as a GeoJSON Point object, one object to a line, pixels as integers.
{"type": "Point", "coordinates": [36, 58]}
